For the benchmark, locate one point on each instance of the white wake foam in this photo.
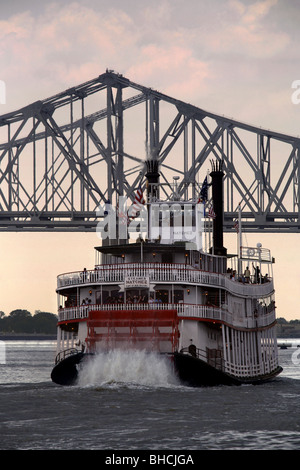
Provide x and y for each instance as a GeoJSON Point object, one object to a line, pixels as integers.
{"type": "Point", "coordinates": [128, 367]}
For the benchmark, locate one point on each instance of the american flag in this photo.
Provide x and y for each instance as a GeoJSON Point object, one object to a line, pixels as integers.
{"type": "Point", "coordinates": [236, 225]}
{"type": "Point", "coordinates": [124, 219]}
{"type": "Point", "coordinates": [211, 212]}
{"type": "Point", "coordinates": [138, 203]}
{"type": "Point", "coordinates": [203, 192]}
{"type": "Point", "coordinates": [123, 216]}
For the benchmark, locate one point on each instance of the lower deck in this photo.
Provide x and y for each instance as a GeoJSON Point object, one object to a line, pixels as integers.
{"type": "Point", "coordinates": [238, 352]}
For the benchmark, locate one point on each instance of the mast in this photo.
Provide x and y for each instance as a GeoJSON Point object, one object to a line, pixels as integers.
{"type": "Point", "coordinates": [239, 237]}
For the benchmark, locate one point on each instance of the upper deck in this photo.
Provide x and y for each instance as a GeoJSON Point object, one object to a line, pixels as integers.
{"type": "Point", "coordinates": [164, 273]}
{"type": "Point", "coordinates": [200, 287]}
{"type": "Point", "coordinates": [154, 264]}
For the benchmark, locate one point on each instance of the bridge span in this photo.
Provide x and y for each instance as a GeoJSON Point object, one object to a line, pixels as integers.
{"type": "Point", "coordinates": [60, 158]}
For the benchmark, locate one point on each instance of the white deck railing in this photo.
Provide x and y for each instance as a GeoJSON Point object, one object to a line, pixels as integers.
{"type": "Point", "coordinates": [248, 289]}
{"type": "Point", "coordinates": [190, 311]}
{"type": "Point", "coordinates": [161, 272]}
{"type": "Point", "coordinates": [156, 272]}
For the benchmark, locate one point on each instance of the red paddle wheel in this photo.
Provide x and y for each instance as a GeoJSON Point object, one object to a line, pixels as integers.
{"type": "Point", "coordinates": [152, 330]}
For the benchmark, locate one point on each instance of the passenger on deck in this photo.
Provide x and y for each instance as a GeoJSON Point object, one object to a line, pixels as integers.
{"type": "Point", "coordinates": [256, 273]}
{"type": "Point", "coordinates": [265, 278]}
{"type": "Point", "coordinates": [247, 274]}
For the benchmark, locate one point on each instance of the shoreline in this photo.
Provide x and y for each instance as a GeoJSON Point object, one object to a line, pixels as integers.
{"type": "Point", "coordinates": [27, 337]}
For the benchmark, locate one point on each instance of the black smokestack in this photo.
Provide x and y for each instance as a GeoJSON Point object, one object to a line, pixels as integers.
{"type": "Point", "coordinates": [152, 176]}
{"type": "Point", "coordinates": [217, 196]}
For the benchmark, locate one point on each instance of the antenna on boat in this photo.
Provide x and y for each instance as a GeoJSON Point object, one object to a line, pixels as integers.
{"type": "Point", "coordinates": [239, 237]}
{"type": "Point", "coordinates": [175, 188]}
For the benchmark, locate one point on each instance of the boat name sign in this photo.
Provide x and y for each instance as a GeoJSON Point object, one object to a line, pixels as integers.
{"type": "Point", "coordinates": [136, 281]}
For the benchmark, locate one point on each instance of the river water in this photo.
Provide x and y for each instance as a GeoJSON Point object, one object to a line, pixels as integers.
{"type": "Point", "coordinates": [136, 404]}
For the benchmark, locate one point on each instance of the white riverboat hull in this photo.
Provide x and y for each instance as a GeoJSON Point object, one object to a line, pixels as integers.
{"type": "Point", "coordinates": [191, 371]}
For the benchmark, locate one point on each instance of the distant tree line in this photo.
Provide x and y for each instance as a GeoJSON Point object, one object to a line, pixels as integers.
{"type": "Point", "coordinates": [283, 321]}
{"type": "Point", "coordinates": [22, 321]}
{"type": "Point", "coordinates": [288, 329]}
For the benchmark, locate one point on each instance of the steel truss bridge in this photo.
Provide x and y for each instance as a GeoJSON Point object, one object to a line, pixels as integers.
{"type": "Point", "coordinates": [62, 157]}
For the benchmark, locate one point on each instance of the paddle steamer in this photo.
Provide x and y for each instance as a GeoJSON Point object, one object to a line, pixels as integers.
{"type": "Point", "coordinates": [174, 291]}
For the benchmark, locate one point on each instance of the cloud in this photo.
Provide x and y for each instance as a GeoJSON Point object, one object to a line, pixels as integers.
{"type": "Point", "coordinates": [61, 47]}
{"type": "Point", "coordinates": [255, 11]}
{"type": "Point", "coordinates": [249, 31]}
{"type": "Point", "coordinates": [65, 44]}
{"type": "Point", "coordinates": [16, 28]}
{"type": "Point", "coordinates": [179, 71]}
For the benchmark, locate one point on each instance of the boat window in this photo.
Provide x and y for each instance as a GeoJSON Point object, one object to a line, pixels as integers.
{"type": "Point", "coordinates": [167, 258]}
{"type": "Point", "coordinates": [162, 296]}
{"type": "Point", "coordinates": [111, 297]}
{"type": "Point", "coordinates": [137, 296]}
{"type": "Point", "coordinates": [71, 300]}
{"type": "Point", "coordinates": [98, 297]}
{"type": "Point", "coordinates": [178, 296]}
{"type": "Point", "coordinates": [212, 297]}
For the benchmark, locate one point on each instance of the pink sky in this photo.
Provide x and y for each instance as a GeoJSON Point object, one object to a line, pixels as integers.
{"type": "Point", "coordinates": [233, 57]}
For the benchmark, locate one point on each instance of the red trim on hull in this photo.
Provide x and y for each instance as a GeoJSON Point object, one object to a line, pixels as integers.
{"type": "Point", "coordinates": [76, 320]}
